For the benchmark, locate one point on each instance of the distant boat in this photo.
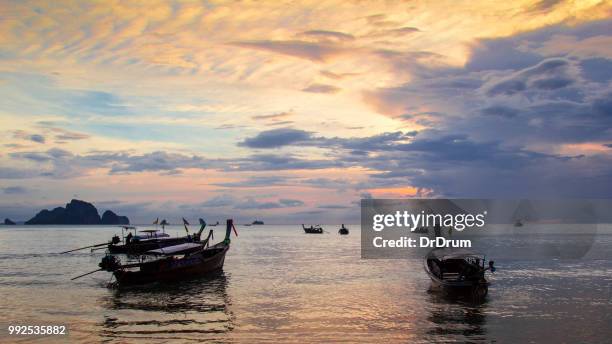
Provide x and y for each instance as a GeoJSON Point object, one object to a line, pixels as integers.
{"type": "Point", "coordinates": [313, 229]}
{"type": "Point", "coordinates": [518, 223]}
{"type": "Point", "coordinates": [343, 230]}
{"type": "Point", "coordinates": [458, 270]}
{"type": "Point", "coordinates": [421, 230]}
{"type": "Point", "coordinates": [258, 222]}
{"type": "Point", "coordinates": [247, 224]}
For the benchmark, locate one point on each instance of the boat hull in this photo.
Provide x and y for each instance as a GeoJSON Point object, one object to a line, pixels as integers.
{"type": "Point", "coordinates": [478, 288]}
{"type": "Point", "coordinates": [172, 269]}
{"type": "Point", "coordinates": [313, 230]}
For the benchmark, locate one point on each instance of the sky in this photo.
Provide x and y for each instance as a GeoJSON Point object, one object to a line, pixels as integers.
{"type": "Point", "coordinates": [293, 111]}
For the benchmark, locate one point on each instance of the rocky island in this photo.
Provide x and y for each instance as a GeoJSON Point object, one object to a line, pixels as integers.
{"type": "Point", "coordinates": [8, 221]}
{"type": "Point", "coordinates": [77, 212]}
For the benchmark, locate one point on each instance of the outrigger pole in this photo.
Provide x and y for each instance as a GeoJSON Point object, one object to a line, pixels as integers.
{"type": "Point", "coordinates": [82, 248]}
{"type": "Point", "coordinates": [83, 275]}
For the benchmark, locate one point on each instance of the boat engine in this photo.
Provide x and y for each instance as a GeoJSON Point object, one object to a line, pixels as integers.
{"type": "Point", "coordinates": [110, 263]}
{"type": "Point", "coordinates": [115, 240]}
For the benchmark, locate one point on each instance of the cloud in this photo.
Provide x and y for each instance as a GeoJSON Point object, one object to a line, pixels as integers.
{"type": "Point", "coordinates": [37, 138]}
{"type": "Point", "coordinates": [544, 5]}
{"type": "Point", "coordinates": [328, 35]}
{"type": "Point", "coordinates": [219, 201]}
{"type": "Point", "coordinates": [550, 74]}
{"type": "Point", "coordinates": [278, 162]}
{"type": "Point", "coordinates": [499, 121]}
{"type": "Point", "coordinates": [274, 116]}
{"type": "Point", "coordinates": [256, 182]}
{"type": "Point", "coordinates": [316, 52]}
{"type": "Point", "coordinates": [251, 203]}
{"type": "Point", "coordinates": [333, 206]}
{"type": "Point", "coordinates": [13, 190]}
{"type": "Point", "coordinates": [65, 135]}
{"type": "Point", "coordinates": [276, 138]}
{"type": "Point", "coordinates": [321, 88]}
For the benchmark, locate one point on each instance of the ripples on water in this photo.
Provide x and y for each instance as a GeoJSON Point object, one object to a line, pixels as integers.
{"type": "Point", "coordinates": [280, 285]}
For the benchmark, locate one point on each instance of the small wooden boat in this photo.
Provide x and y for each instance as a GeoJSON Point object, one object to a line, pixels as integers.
{"type": "Point", "coordinates": [343, 230]}
{"type": "Point", "coordinates": [313, 229]}
{"type": "Point", "coordinates": [458, 270]}
{"type": "Point", "coordinates": [257, 223]}
{"type": "Point", "coordinates": [173, 263]}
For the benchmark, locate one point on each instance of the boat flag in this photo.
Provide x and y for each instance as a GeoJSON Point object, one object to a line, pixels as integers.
{"type": "Point", "coordinates": [185, 223]}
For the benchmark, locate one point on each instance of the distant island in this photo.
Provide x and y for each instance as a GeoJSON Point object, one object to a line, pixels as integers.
{"type": "Point", "coordinates": [8, 221]}
{"type": "Point", "coordinates": [77, 212]}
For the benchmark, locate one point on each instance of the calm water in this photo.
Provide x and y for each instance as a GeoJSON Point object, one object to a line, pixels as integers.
{"type": "Point", "coordinates": [280, 285]}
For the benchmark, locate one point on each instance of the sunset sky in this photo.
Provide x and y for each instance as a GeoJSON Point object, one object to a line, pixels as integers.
{"type": "Point", "coordinates": [291, 111]}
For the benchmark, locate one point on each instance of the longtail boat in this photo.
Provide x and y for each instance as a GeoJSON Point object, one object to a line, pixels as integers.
{"type": "Point", "coordinates": [313, 229]}
{"type": "Point", "coordinates": [140, 244]}
{"type": "Point", "coordinates": [137, 244]}
{"type": "Point", "coordinates": [343, 230]}
{"type": "Point", "coordinates": [458, 271]}
{"type": "Point", "coordinates": [173, 263]}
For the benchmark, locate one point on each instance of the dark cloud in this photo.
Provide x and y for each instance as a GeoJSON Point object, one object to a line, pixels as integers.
{"type": "Point", "coordinates": [328, 35]}
{"type": "Point", "coordinates": [333, 206]}
{"type": "Point", "coordinates": [317, 52]}
{"type": "Point", "coordinates": [287, 202]}
{"type": "Point", "coordinates": [278, 162]}
{"type": "Point", "coordinates": [550, 74]}
{"type": "Point", "coordinates": [37, 138]}
{"type": "Point", "coordinates": [274, 116]}
{"type": "Point", "coordinates": [597, 69]}
{"type": "Point", "coordinates": [321, 88]}
{"type": "Point", "coordinates": [498, 120]}
{"type": "Point", "coordinates": [544, 5]}
{"type": "Point", "coordinates": [500, 110]}
{"type": "Point", "coordinates": [251, 203]}
{"type": "Point", "coordinates": [259, 181]}
{"type": "Point", "coordinates": [276, 138]}
{"type": "Point", "coordinates": [13, 190]}
{"type": "Point", "coordinates": [283, 123]}
{"type": "Point", "coordinates": [155, 161]}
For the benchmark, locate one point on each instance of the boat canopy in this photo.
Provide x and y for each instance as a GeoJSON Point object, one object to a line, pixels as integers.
{"type": "Point", "coordinates": [175, 249]}
{"type": "Point", "coordinates": [453, 253]}
{"type": "Point", "coordinates": [149, 230]}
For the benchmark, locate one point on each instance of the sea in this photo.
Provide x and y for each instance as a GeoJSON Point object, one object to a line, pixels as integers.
{"type": "Point", "coordinates": [280, 285]}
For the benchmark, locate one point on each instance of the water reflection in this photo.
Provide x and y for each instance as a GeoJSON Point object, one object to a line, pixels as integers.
{"type": "Point", "coordinates": [192, 310]}
{"type": "Point", "coordinates": [457, 315]}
